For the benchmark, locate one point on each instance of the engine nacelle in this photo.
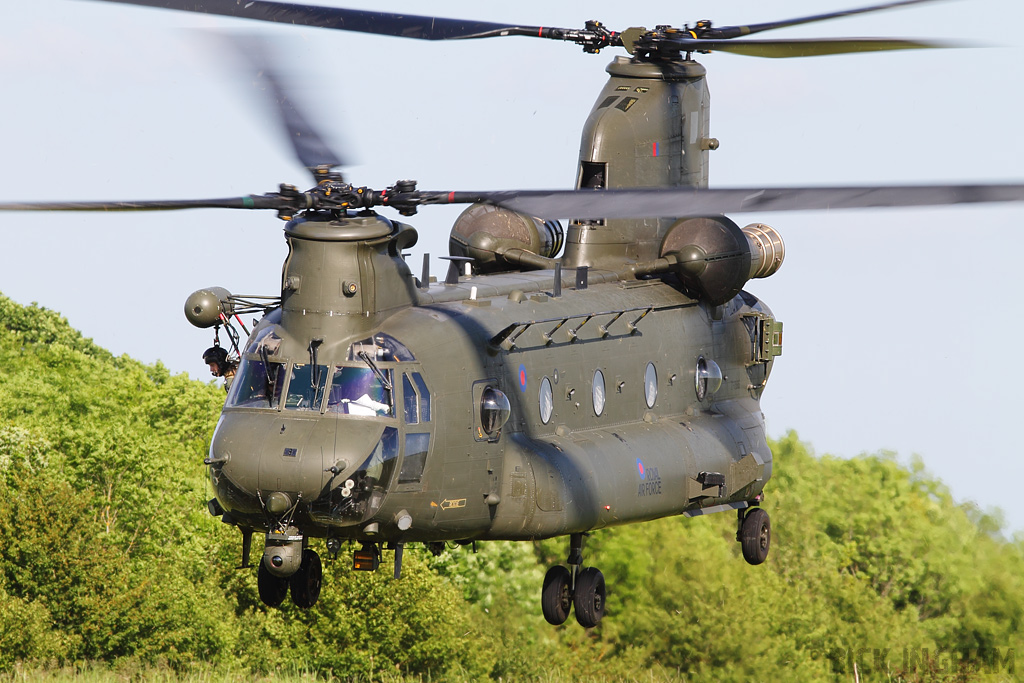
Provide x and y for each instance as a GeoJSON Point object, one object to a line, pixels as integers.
{"type": "Point", "coordinates": [715, 258]}
{"type": "Point", "coordinates": [204, 307]}
{"type": "Point", "coordinates": [485, 232]}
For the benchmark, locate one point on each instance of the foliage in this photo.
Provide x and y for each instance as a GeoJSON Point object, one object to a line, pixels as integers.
{"type": "Point", "coordinates": [109, 564]}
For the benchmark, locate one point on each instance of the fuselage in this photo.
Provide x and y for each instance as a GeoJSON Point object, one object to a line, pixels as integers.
{"type": "Point", "coordinates": [607, 423]}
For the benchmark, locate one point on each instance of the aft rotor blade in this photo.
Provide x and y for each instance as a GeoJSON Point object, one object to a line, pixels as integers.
{"type": "Point", "coordinates": [736, 31]}
{"type": "Point", "coordinates": [362, 21]}
{"type": "Point", "coordinates": [805, 47]}
{"type": "Point", "coordinates": [672, 202]}
{"type": "Point", "coordinates": [247, 202]}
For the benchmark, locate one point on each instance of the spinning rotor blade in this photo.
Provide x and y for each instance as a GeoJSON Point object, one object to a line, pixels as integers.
{"type": "Point", "coordinates": [808, 47]}
{"type": "Point", "coordinates": [310, 147]}
{"type": "Point", "coordinates": [247, 202]}
{"type": "Point", "coordinates": [362, 21]}
{"type": "Point", "coordinates": [671, 202]}
{"type": "Point", "coordinates": [701, 38]}
{"type": "Point", "coordinates": [580, 204]}
{"type": "Point", "coordinates": [736, 31]}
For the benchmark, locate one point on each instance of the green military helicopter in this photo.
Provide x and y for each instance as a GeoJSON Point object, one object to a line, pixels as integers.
{"type": "Point", "coordinates": [533, 391]}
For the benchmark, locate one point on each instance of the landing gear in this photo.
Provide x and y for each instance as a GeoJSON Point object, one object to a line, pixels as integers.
{"type": "Point", "coordinates": [754, 534]}
{"type": "Point", "coordinates": [565, 589]}
{"type": "Point", "coordinates": [588, 597]}
{"type": "Point", "coordinates": [272, 588]}
{"type": "Point", "coordinates": [305, 583]}
{"type": "Point", "coordinates": [556, 596]}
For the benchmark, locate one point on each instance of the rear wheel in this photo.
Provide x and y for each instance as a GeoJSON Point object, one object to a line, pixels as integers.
{"type": "Point", "coordinates": [556, 596]}
{"type": "Point", "coordinates": [756, 536]}
{"type": "Point", "coordinates": [588, 597]}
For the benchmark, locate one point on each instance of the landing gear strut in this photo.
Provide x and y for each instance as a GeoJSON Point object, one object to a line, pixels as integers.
{"type": "Point", "coordinates": [565, 589]}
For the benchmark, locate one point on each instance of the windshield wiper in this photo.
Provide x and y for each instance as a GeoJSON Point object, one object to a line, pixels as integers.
{"type": "Point", "coordinates": [381, 377]}
{"type": "Point", "coordinates": [271, 388]}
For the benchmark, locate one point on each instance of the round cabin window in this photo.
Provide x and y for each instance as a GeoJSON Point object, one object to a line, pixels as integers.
{"type": "Point", "coordinates": [650, 385]}
{"type": "Point", "coordinates": [546, 401]}
{"type": "Point", "coordinates": [598, 392]}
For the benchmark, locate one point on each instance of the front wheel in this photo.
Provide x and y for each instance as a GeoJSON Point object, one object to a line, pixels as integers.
{"type": "Point", "coordinates": [305, 583]}
{"type": "Point", "coordinates": [272, 588]}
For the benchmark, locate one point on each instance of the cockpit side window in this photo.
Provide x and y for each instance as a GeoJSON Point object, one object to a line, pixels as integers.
{"type": "Point", "coordinates": [410, 401]}
{"type": "Point", "coordinates": [258, 384]}
{"type": "Point", "coordinates": [358, 391]}
{"type": "Point", "coordinates": [424, 396]}
{"type": "Point", "coordinates": [306, 387]}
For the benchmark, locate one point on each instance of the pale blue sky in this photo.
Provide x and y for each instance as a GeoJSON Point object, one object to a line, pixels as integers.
{"type": "Point", "coordinates": [902, 328]}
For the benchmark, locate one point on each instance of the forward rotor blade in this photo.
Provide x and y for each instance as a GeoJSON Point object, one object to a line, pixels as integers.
{"type": "Point", "coordinates": [310, 147]}
{"type": "Point", "coordinates": [806, 47]}
{"type": "Point", "coordinates": [247, 202]}
{"type": "Point", "coordinates": [661, 202]}
{"type": "Point", "coordinates": [672, 202]}
{"type": "Point", "coordinates": [362, 21]}
{"type": "Point", "coordinates": [736, 31]}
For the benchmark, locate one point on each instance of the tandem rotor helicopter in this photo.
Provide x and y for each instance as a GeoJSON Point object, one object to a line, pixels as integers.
{"type": "Point", "coordinates": [554, 380]}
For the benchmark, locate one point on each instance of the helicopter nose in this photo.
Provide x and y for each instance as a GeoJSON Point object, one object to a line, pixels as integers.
{"type": "Point", "coordinates": [258, 457]}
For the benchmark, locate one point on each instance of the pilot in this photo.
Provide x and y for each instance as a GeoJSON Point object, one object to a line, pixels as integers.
{"type": "Point", "coordinates": [217, 358]}
{"type": "Point", "coordinates": [358, 392]}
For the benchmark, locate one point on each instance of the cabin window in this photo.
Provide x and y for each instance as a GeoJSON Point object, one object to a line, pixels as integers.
{"type": "Point", "coordinates": [258, 384]}
{"type": "Point", "coordinates": [416, 448]}
{"type": "Point", "coordinates": [546, 401]}
{"type": "Point", "coordinates": [359, 391]}
{"type": "Point", "coordinates": [306, 387]}
{"type": "Point", "coordinates": [494, 411]}
{"type": "Point", "coordinates": [650, 385]}
{"type": "Point", "coordinates": [598, 393]}
{"type": "Point", "coordinates": [707, 378]}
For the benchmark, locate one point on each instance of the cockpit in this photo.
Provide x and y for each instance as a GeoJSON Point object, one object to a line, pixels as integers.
{"type": "Point", "coordinates": [362, 386]}
{"type": "Point", "coordinates": [349, 389]}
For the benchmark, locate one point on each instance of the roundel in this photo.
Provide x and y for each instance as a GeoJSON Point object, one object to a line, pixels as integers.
{"type": "Point", "coordinates": [522, 377]}
{"type": "Point", "coordinates": [640, 467]}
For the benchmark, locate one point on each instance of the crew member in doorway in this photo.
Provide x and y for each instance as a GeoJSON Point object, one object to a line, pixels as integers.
{"type": "Point", "coordinates": [220, 366]}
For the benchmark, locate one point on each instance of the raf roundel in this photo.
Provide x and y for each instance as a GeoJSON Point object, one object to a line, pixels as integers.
{"type": "Point", "coordinates": [522, 377]}
{"type": "Point", "coordinates": [640, 467]}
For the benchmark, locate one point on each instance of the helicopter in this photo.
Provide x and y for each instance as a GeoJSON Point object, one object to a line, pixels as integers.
{"type": "Point", "coordinates": [503, 425]}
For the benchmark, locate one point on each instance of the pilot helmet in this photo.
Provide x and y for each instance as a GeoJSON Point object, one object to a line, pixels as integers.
{"type": "Point", "coordinates": [215, 354]}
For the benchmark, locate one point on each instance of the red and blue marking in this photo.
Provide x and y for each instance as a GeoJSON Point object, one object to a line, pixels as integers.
{"type": "Point", "coordinates": [522, 377]}
{"type": "Point", "coordinates": [640, 467]}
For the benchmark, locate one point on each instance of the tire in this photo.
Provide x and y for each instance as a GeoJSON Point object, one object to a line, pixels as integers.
{"type": "Point", "coordinates": [305, 583]}
{"type": "Point", "coordinates": [588, 597]}
{"type": "Point", "coordinates": [756, 536]}
{"type": "Point", "coordinates": [556, 596]}
{"type": "Point", "coordinates": [272, 588]}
